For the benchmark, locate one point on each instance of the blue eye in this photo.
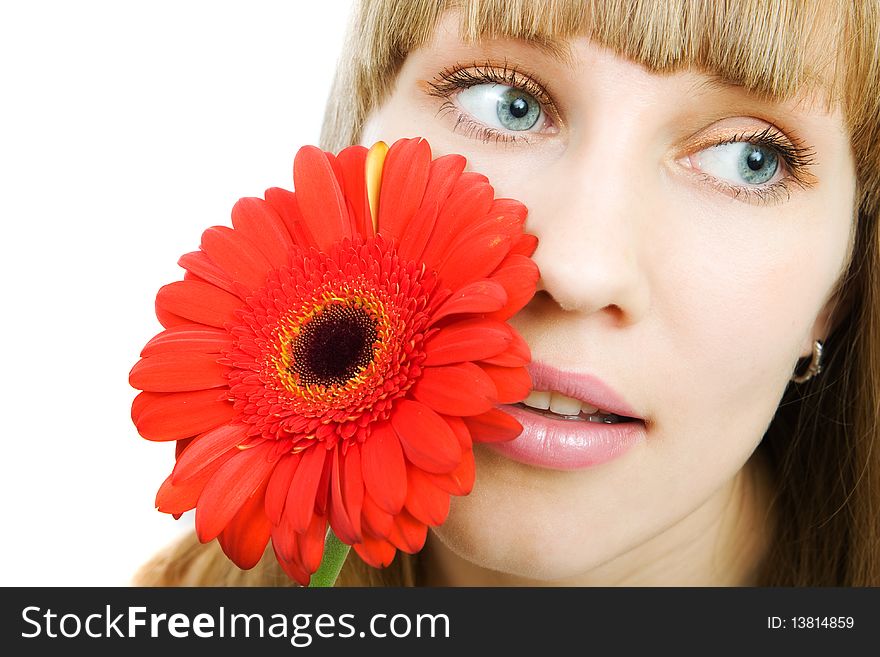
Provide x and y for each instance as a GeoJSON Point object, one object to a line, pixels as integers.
{"type": "Point", "coordinates": [502, 106]}
{"type": "Point", "coordinates": [739, 162]}
{"type": "Point", "coordinates": [517, 110]}
{"type": "Point", "coordinates": [757, 164]}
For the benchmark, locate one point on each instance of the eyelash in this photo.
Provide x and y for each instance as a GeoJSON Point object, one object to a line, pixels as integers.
{"type": "Point", "coordinates": [458, 78]}
{"type": "Point", "coordinates": [797, 157]}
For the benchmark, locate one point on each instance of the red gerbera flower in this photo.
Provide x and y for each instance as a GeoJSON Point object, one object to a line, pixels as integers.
{"type": "Point", "coordinates": [332, 357]}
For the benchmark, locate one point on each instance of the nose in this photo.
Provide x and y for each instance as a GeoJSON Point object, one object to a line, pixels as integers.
{"type": "Point", "coordinates": [593, 247]}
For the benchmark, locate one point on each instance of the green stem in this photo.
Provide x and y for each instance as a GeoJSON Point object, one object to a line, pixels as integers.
{"type": "Point", "coordinates": [335, 552]}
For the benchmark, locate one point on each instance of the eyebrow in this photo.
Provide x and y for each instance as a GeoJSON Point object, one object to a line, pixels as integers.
{"type": "Point", "coordinates": [558, 49]}
{"type": "Point", "coordinates": [715, 82]}
{"type": "Point", "coordinates": [808, 99]}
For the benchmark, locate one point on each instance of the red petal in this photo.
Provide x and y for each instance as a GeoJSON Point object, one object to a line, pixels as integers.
{"type": "Point", "coordinates": [167, 319]}
{"type": "Point", "coordinates": [353, 485]}
{"type": "Point", "coordinates": [427, 440]}
{"type": "Point", "coordinates": [236, 255]}
{"type": "Point", "coordinates": [516, 355]}
{"type": "Point", "coordinates": [285, 204]}
{"type": "Point", "coordinates": [299, 509]}
{"type": "Point", "coordinates": [204, 449]}
{"type": "Point", "coordinates": [141, 401]}
{"type": "Point", "coordinates": [351, 162]}
{"type": "Point", "coordinates": [311, 543]}
{"type": "Point", "coordinates": [525, 245]}
{"type": "Point", "coordinates": [404, 177]}
{"type": "Point", "coordinates": [476, 260]}
{"type": "Point", "coordinates": [470, 339]}
{"type": "Point", "coordinates": [179, 498]}
{"type": "Point", "coordinates": [519, 276]}
{"type": "Point", "coordinates": [178, 372]}
{"type": "Point", "coordinates": [285, 541]}
{"type": "Point", "coordinates": [512, 383]}
{"type": "Point", "coordinates": [230, 488]}
{"type": "Point", "coordinates": [340, 174]}
{"type": "Point", "coordinates": [319, 197]}
{"type": "Point", "coordinates": [322, 497]}
{"type": "Point", "coordinates": [189, 337]}
{"type": "Point", "coordinates": [384, 468]}
{"type": "Point", "coordinates": [201, 265]}
{"type": "Point", "coordinates": [462, 389]}
{"type": "Point", "coordinates": [245, 538]}
{"type": "Point", "coordinates": [461, 480]}
{"type": "Point", "coordinates": [483, 244]}
{"type": "Point", "coordinates": [198, 302]}
{"type": "Point", "coordinates": [375, 521]}
{"type": "Point", "coordinates": [285, 544]}
{"type": "Point", "coordinates": [478, 250]}
{"type": "Point", "coordinates": [408, 534]}
{"type": "Point", "coordinates": [493, 426]}
{"type": "Point", "coordinates": [279, 486]}
{"type": "Point", "coordinates": [338, 516]}
{"type": "Point", "coordinates": [465, 474]}
{"type": "Point", "coordinates": [424, 499]}
{"type": "Point", "coordinates": [470, 200]}
{"type": "Point", "coordinates": [443, 173]}
{"type": "Point", "coordinates": [510, 207]}
{"type": "Point", "coordinates": [459, 428]}
{"type": "Point", "coordinates": [184, 414]}
{"type": "Point", "coordinates": [376, 552]}
{"type": "Point", "coordinates": [258, 221]}
{"type": "Point", "coordinates": [477, 297]}
{"type": "Point", "coordinates": [181, 445]}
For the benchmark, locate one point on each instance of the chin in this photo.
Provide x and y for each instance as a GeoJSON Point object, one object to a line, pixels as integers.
{"type": "Point", "coordinates": [520, 521]}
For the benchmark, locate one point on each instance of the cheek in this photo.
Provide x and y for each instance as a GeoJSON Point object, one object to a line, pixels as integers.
{"type": "Point", "coordinates": [737, 303]}
{"type": "Point", "coordinates": [397, 119]}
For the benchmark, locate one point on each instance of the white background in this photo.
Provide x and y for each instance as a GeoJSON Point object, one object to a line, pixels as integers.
{"type": "Point", "coordinates": [126, 129]}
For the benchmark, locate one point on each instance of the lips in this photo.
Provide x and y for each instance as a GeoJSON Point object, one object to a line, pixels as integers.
{"type": "Point", "coordinates": [561, 442]}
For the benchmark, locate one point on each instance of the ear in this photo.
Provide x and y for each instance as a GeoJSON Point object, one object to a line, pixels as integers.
{"type": "Point", "coordinates": [828, 319]}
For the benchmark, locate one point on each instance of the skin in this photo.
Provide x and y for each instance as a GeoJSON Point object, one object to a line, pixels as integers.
{"type": "Point", "coordinates": [691, 301]}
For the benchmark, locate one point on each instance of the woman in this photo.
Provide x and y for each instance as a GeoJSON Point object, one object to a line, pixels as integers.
{"type": "Point", "coordinates": [705, 187]}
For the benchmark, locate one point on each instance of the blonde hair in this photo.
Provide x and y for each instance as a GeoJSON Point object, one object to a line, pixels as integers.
{"type": "Point", "coordinates": [821, 443]}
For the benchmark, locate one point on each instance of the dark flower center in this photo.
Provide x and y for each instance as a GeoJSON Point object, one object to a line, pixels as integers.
{"type": "Point", "coordinates": [334, 346]}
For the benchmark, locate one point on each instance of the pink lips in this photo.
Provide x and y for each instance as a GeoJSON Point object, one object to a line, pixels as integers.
{"type": "Point", "coordinates": [565, 444]}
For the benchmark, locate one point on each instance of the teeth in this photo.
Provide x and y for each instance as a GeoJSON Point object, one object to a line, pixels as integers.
{"type": "Point", "coordinates": [560, 404]}
{"type": "Point", "coordinates": [563, 405]}
{"type": "Point", "coordinates": [538, 399]}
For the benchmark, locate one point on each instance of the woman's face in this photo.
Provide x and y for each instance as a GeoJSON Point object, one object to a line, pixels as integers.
{"type": "Point", "coordinates": [690, 236]}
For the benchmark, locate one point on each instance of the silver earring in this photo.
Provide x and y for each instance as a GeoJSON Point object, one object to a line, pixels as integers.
{"type": "Point", "coordinates": [815, 365]}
